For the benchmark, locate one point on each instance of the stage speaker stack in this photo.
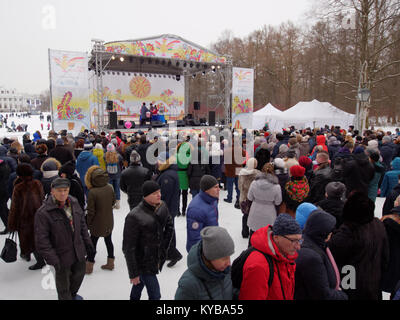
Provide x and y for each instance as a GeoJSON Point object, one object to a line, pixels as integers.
{"type": "Point", "coordinates": [180, 123]}
{"type": "Point", "coordinates": [112, 120]}
{"type": "Point", "coordinates": [121, 124]}
{"type": "Point", "coordinates": [157, 124]}
{"type": "Point", "coordinates": [110, 105]}
{"type": "Point", "coordinates": [211, 118]}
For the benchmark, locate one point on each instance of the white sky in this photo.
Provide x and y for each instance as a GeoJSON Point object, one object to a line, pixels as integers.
{"type": "Point", "coordinates": [25, 34]}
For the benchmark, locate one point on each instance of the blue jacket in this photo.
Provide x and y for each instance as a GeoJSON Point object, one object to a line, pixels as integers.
{"type": "Point", "coordinates": [85, 160]}
{"type": "Point", "coordinates": [202, 212]}
{"type": "Point", "coordinates": [391, 178]}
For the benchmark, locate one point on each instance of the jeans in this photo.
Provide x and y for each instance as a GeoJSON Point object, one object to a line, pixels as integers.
{"type": "Point", "coordinates": [152, 287]}
{"type": "Point", "coordinates": [229, 182]}
{"type": "Point", "coordinates": [109, 245]}
{"type": "Point", "coordinates": [115, 183]}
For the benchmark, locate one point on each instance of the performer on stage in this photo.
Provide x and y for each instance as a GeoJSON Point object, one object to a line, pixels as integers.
{"type": "Point", "coordinates": [143, 114]}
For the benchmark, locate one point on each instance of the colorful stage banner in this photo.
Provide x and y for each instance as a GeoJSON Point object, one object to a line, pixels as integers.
{"type": "Point", "coordinates": [128, 91]}
{"type": "Point", "coordinates": [166, 46]}
{"type": "Point", "coordinates": [69, 90]}
{"type": "Point", "coordinates": [242, 97]}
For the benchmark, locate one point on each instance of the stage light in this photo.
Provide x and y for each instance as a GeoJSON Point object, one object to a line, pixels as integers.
{"type": "Point", "coordinates": [194, 76]}
{"type": "Point", "coordinates": [204, 73]}
{"type": "Point", "coordinates": [122, 59]}
{"type": "Point", "coordinates": [178, 77]}
{"type": "Point", "coordinates": [191, 65]}
{"type": "Point", "coordinates": [113, 57]}
{"type": "Point", "coordinates": [184, 65]}
{"type": "Point", "coordinates": [198, 66]}
{"type": "Point", "coordinates": [219, 67]}
{"type": "Point", "coordinates": [177, 64]}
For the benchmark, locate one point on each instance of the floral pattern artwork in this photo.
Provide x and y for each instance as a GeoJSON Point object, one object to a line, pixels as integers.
{"type": "Point", "coordinates": [140, 87]}
{"type": "Point", "coordinates": [67, 112]}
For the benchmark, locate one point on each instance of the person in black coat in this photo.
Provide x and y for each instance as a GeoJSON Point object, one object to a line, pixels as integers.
{"type": "Point", "coordinates": [333, 204]}
{"type": "Point", "coordinates": [60, 152]}
{"type": "Point", "coordinates": [195, 172]}
{"type": "Point", "coordinates": [132, 180]}
{"type": "Point", "coordinates": [169, 183]}
{"type": "Point", "coordinates": [263, 156]}
{"type": "Point", "coordinates": [4, 176]}
{"type": "Point", "coordinates": [392, 225]}
{"type": "Point", "coordinates": [12, 163]}
{"type": "Point", "coordinates": [147, 234]}
{"type": "Point", "coordinates": [315, 275]}
{"type": "Point", "coordinates": [387, 150]}
{"type": "Point", "coordinates": [323, 175]}
{"type": "Point", "coordinates": [76, 189]}
{"type": "Point", "coordinates": [142, 150]}
{"type": "Point", "coordinates": [361, 242]}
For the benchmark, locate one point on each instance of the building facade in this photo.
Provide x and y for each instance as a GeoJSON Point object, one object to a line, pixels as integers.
{"type": "Point", "coordinates": [13, 101]}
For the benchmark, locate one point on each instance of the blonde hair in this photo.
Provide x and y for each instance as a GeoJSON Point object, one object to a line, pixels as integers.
{"type": "Point", "coordinates": [111, 157]}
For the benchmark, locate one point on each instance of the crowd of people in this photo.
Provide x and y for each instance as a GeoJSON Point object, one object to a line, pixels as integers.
{"type": "Point", "coordinates": [307, 199]}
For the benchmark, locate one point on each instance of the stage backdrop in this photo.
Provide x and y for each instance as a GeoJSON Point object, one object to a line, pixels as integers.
{"type": "Point", "coordinates": [242, 97]}
{"type": "Point", "coordinates": [69, 90]}
{"type": "Point", "coordinates": [128, 91]}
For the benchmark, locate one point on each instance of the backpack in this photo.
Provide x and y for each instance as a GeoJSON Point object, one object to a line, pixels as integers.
{"type": "Point", "coordinates": [338, 167]}
{"type": "Point", "coordinates": [112, 168]}
{"type": "Point", "coordinates": [238, 263]}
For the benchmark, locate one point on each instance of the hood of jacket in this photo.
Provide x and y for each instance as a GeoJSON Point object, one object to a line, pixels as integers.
{"type": "Point", "coordinates": [3, 151]}
{"type": "Point", "coordinates": [197, 266]}
{"type": "Point", "coordinates": [98, 153]}
{"type": "Point", "coordinates": [265, 181]}
{"type": "Point", "coordinates": [85, 155]}
{"type": "Point", "coordinates": [262, 240]}
{"type": "Point", "coordinates": [321, 140]}
{"type": "Point", "coordinates": [96, 177]}
{"type": "Point", "coordinates": [58, 163]}
{"type": "Point", "coordinates": [318, 226]}
{"type": "Point", "coordinates": [396, 164]}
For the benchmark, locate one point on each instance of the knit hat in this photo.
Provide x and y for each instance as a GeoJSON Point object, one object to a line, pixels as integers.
{"type": "Point", "coordinates": [302, 213]}
{"type": "Point", "coordinates": [286, 225]}
{"type": "Point", "coordinates": [150, 187]}
{"type": "Point", "coordinates": [88, 145]}
{"type": "Point", "coordinates": [98, 146]}
{"type": "Point", "coordinates": [68, 168]}
{"type": "Point", "coordinates": [135, 157]}
{"type": "Point", "coordinates": [49, 166]}
{"type": "Point", "coordinates": [335, 189]}
{"type": "Point", "coordinates": [251, 163]}
{"type": "Point", "coordinates": [60, 183]}
{"type": "Point", "coordinates": [207, 182]}
{"type": "Point", "coordinates": [217, 243]}
{"type": "Point", "coordinates": [110, 147]}
{"type": "Point", "coordinates": [297, 171]}
{"type": "Point", "coordinates": [305, 162]}
{"type": "Point", "coordinates": [59, 142]}
{"type": "Point", "coordinates": [373, 144]}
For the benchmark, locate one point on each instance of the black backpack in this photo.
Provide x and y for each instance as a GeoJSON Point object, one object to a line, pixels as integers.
{"type": "Point", "coordinates": [238, 263]}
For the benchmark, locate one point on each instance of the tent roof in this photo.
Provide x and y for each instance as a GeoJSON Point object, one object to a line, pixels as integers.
{"type": "Point", "coordinates": [269, 109]}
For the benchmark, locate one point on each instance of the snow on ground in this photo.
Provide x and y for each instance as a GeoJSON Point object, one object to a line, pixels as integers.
{"type": "Point", "coordinates": [19, 283]}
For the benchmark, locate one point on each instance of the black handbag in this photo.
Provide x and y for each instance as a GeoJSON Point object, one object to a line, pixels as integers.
{"type": "Point", "coordinates": [9, 252]}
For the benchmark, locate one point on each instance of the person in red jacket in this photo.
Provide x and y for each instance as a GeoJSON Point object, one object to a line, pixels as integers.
{"type": "Point", "coordinates": [321, 141]}
{"type": "Point", "coordinates": [281, 242]}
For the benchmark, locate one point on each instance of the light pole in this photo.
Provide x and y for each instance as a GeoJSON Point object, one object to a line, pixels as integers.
{"type": "Point", "coordinates": [362, 97]}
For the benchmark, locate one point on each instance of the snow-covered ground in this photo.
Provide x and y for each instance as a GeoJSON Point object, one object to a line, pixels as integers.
{"type": "Point", "coordinates": [17, 282]}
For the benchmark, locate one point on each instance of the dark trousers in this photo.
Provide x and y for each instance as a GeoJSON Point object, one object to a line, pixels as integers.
{"type": "Point", "coordinates": [4, 211]}
{"type": "Point", "coordinates": [245, 228]}
{"type": "Point", "coordinates": [152, 287]}
{"type": "Point", "coordinates": [173, 253]}
{"type": "Point", "coordinates": [39, 258]}
{"type": "Point", "coordinates": [69, 280]}
{"type": "Point", "coordinates": [109, 245]}
{"type": "Point", "coordinates": [229, 182]}
{"type": "Point", "coordinates": [184, 194]}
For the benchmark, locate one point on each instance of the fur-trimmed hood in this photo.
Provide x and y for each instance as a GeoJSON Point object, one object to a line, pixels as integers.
{"type": "Point", "coordinates": [58, 163]}
{"type": "Point", "coordinates": [96, 177]}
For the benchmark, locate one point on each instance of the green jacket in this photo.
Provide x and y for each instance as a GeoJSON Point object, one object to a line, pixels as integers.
{"type": "Point", "coordinates": [200, 283]}
{"type": "Point", "coordinates": [183, 160]}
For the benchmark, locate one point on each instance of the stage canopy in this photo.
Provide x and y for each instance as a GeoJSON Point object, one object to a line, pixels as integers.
{"type": "Point", "coordinates": [312, 114]}
{"type": "Point", "coordinates": [166, 54]}
{"type": "Point", "coordinates": [264, 115]}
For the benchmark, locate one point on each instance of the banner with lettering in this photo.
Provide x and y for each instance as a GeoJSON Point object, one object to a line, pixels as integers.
{"type": "Point", "coordinates": [242, 98]}
{"type": "Point", "coordinates": [69, 90]}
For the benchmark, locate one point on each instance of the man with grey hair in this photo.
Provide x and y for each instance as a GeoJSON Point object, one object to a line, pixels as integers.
{"type": "Point", "coordinates": [132, 179]}
{"type": "Point", "coordinates": [387, 151]}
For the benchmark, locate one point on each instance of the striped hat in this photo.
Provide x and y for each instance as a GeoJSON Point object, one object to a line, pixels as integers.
{"type": "Point", "coordinates": [88, 145]}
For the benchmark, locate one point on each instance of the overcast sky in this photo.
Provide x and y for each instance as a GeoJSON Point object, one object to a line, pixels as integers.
{"type": "Point", "coordinates": [29, 27]}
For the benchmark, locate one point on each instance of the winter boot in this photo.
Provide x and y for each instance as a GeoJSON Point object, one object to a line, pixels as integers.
{"type": "Point", "coordinates": [117, 204]}
{"type": "Point", "coordinates": [89, 267]}
{"type": "Point", "coordinates": [109, 265]}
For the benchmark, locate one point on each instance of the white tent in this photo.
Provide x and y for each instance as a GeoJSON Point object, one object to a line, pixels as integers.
{"type": "Point", "coordinates": [313, 114]}
{"type": "Point", "coordinates": [264, 115]}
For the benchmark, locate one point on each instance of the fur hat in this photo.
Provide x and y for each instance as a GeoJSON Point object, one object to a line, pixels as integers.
{"type": "Point", "coordinates": [358, 209]}
{"type": "Point", "coordinates": [49, 166]}
{"type": "Point", "coordinates": [24, 170]}
{"type": "Point", "coordinates": [41, 148]}
{"type": "Point", "coordinates": [279, 163]}
{"type": "Point", "coordinates": [216, 243]}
